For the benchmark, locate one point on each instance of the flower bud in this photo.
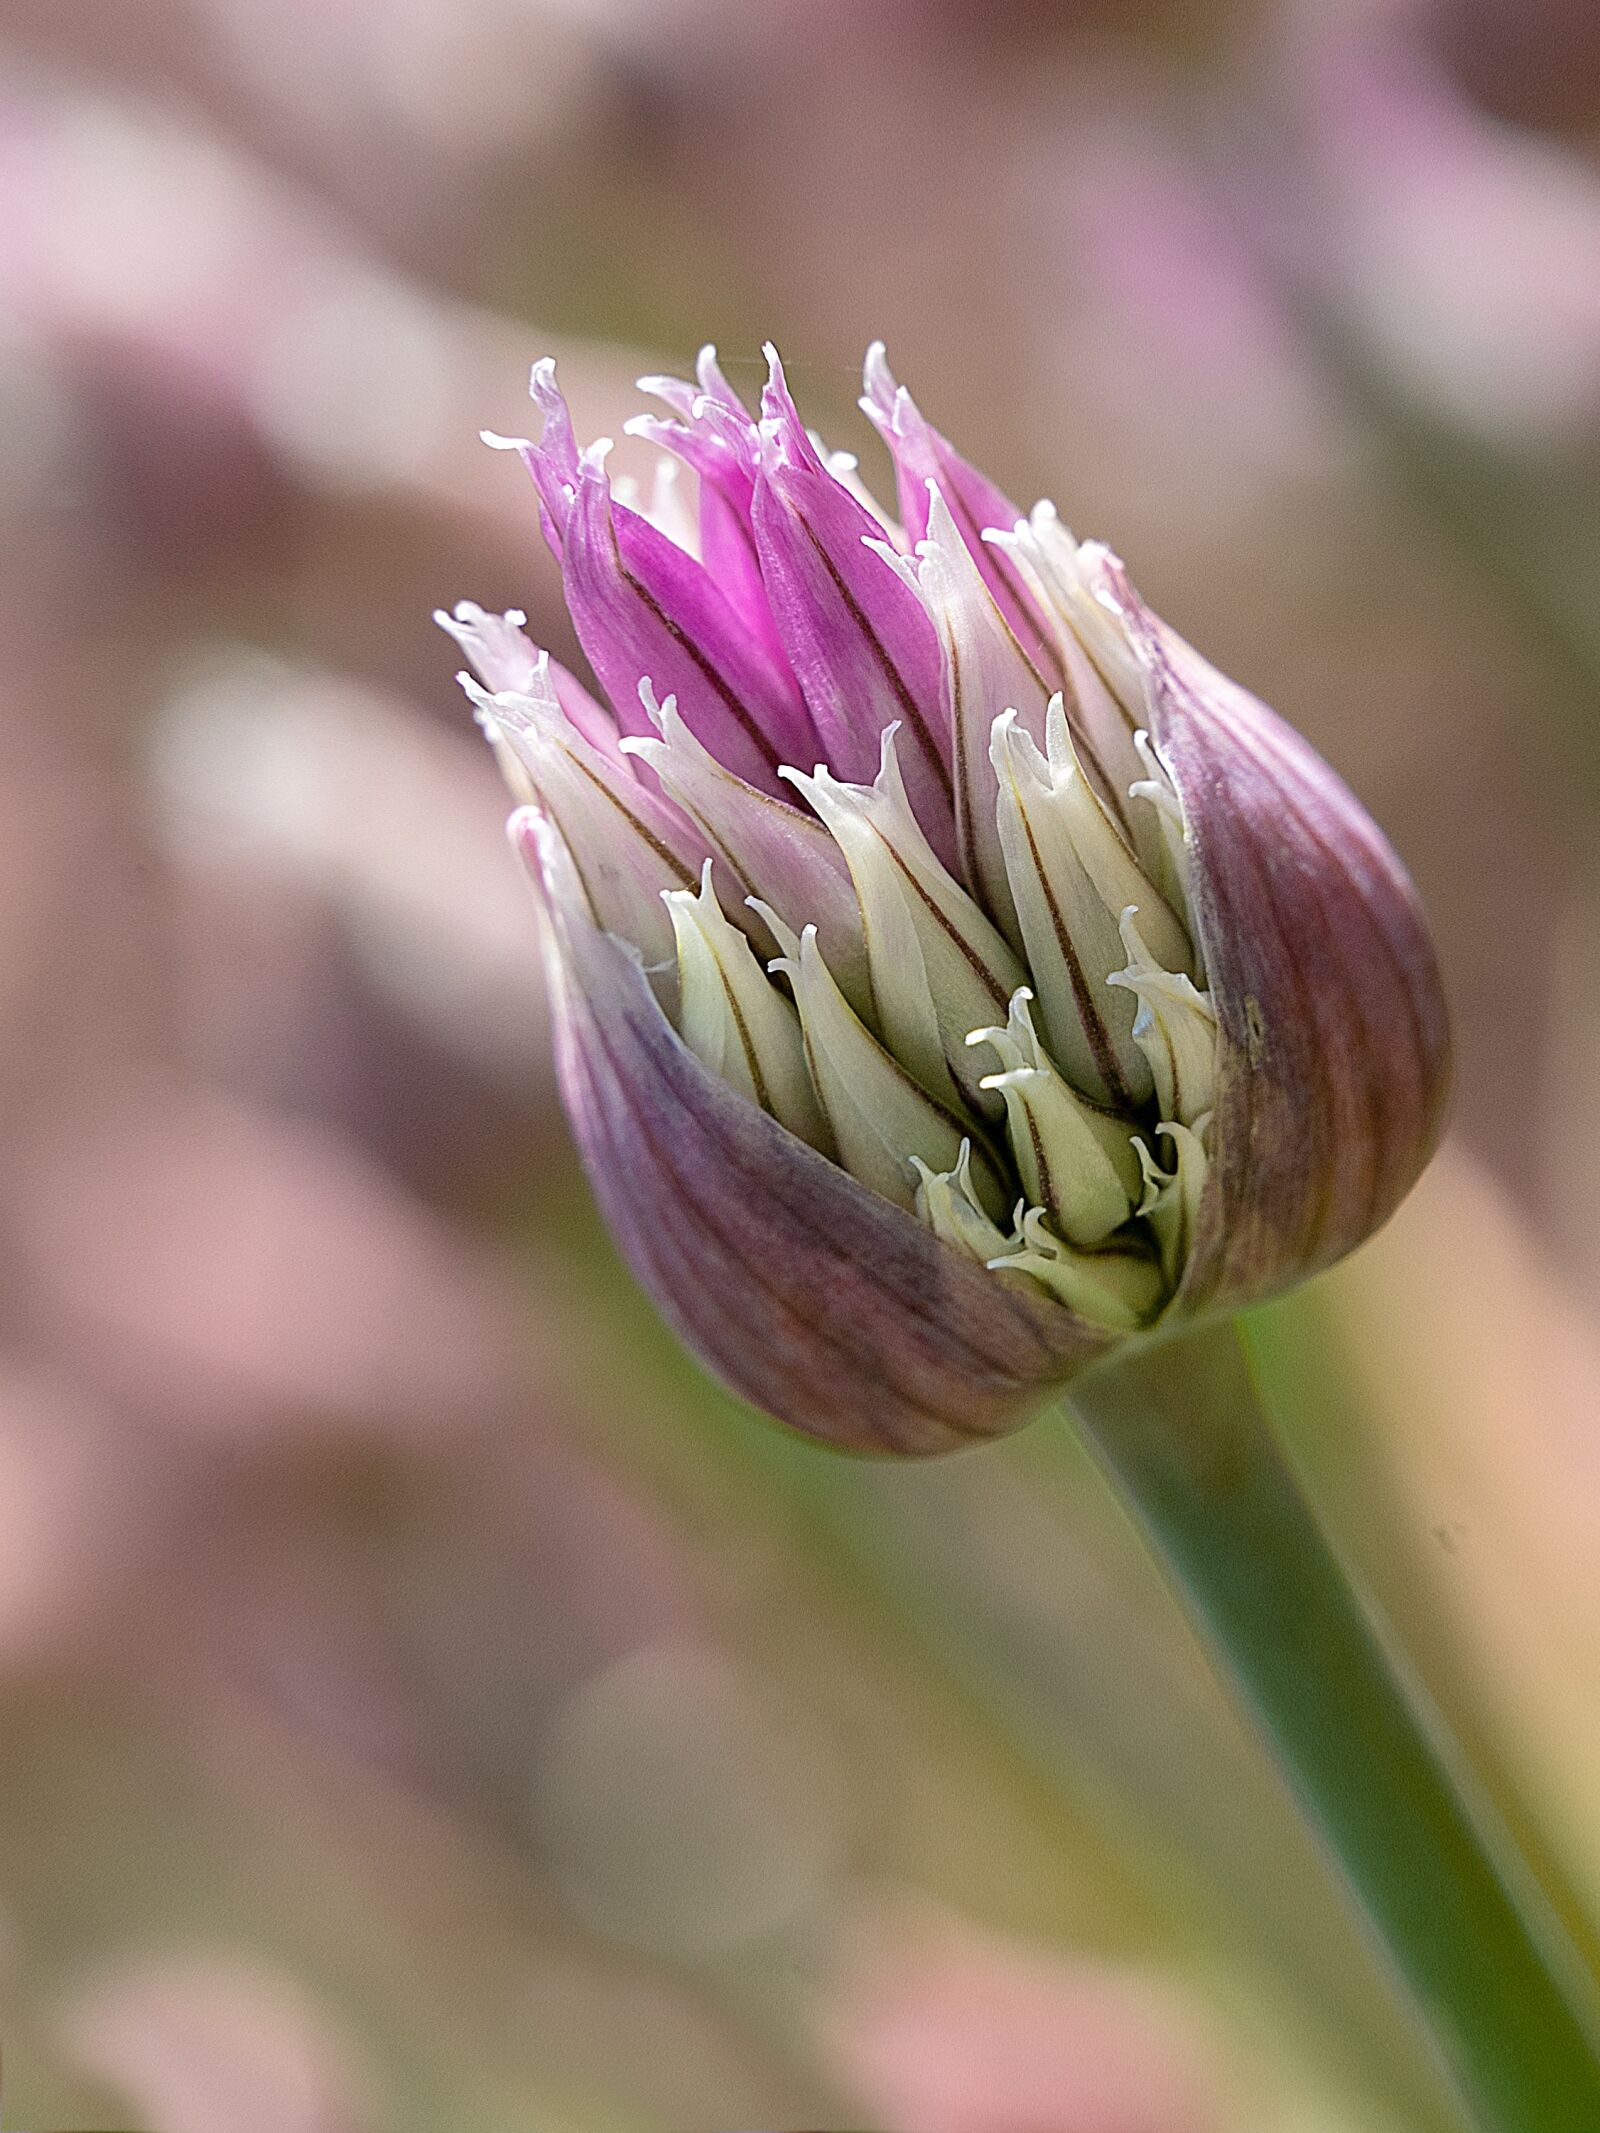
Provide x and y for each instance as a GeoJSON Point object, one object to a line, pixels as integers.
{"type": "Point", "coordinates": [956, 977]}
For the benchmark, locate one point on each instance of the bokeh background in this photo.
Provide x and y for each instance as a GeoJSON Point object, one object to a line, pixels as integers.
{"type": "Point", "coordinates": [425, 1703]}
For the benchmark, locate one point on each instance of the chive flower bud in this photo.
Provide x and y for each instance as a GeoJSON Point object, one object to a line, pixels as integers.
{"type": "Point", "coordinates": [956, 977]}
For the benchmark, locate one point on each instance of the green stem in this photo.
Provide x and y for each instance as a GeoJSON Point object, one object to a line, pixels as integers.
{"type": "Point", "coordinates": [1180, 1431]}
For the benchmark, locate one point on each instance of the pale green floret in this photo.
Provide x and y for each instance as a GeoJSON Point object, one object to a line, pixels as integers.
{"type": "Point", "coordinates": [1075, 1161]}
{"type": "Point", "coordinates": [734, 1019]}
{"type": "Point", "coordinates": [984, 671]}
{"type": "Point", "coordinates": [1172, 1198]}
{"type": "Point", "coordinates": [1107, 860]}
{"type": "Point", "coordinates": [1070, 934]}
{"type": "Point", "coordinates": [948, 1203]}
{"type": "Point", "coordinates": [881, 1118]}
{"type": "Point", "coordinates": [1169, 860]}
{"type": "Point", "coordinates": [1175, 1027]}
{"type": "Point", "coordinates": [1119, 1289]}
{"type": "Point", "coordinates": [777, 852]}
{"type": "Point", "coordinates": [938, 965]}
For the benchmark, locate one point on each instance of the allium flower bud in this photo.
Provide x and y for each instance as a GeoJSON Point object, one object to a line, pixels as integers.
{"type": "Point", "coordinates": [955, 976]}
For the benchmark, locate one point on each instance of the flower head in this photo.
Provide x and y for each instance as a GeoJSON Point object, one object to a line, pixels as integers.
{"type": "Point", "coordinates": [956, 976]}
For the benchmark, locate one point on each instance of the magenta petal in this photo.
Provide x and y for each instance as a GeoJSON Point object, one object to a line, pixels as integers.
{"type": "Point", "coordinates": [645, 610]}
{"type": "Point", "coordinates": [1336, 1066]}
{"type": "Point", "coordinates": [720, 445]}
{"type": "Point", "coordinates": [808, 1295]}
{"type": "Point", "coordinates": [728, 552]}
{"type": "Point", "coordinates": [856, 634]}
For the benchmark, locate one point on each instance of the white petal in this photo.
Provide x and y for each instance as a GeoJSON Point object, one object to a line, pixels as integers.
{"type": "Point", "coordinates": [1074, 1161]}
{"type": "Point", "coordinates": [986, 672]}
{"type": "Point", "coordinates": [1175, 1027]}
{"type": "Point", "coordinates": [1161, 832]}
{"type": "Point", "coordinates": [1120, 1289]}
{"type": "Point", "coordinates": [938, 965]}
{"type": "Point", "coordinates": [880, 1118]}
{"type": "Point", "coordinates": [777, 852]}
{"type": "Point", "coordinates": [1071, 936]}
{"type": "Point", "coordinates": [1107, 857]}
{"type": "Point", "coordinates": [734, 1018]}
{"type": "Point", "coordinates": [500, 654]}
{"type": "Point", "coordinates": [1064, 575]}
{"type": "Point", "coordinates": [1106, 690]}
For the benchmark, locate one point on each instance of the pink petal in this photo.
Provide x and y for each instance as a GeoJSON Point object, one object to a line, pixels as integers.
{"type": "Point", "coordinates": [645, 610]}
{"type": "Point", "coordinates": [856, 634]}
{"type": "Point", "coordinates": [720, 444]}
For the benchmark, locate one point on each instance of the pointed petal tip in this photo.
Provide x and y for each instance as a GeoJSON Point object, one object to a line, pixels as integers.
{"type": "Point", "coordinates": [878, 386]}
{"type": "Point", "coordinates": [780, 417]}
{"type": "Point", "coordinates": [547, 395]}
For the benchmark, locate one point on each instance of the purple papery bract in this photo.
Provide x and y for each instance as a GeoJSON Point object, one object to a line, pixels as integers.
{"type": "Point", "coordinates": [810, 1296]}
{"type": "Point", "coordinates": [1334, 1072]}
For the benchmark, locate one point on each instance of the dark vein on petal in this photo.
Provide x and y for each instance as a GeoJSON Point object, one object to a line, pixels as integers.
{"type": "Point", "coordinates": [969, 955]}
{"type": "Point", "coordinates": [966, 826]}
{"type": "Point", "coordinates": [1102, 785]}
{"type": "Point", "coordinates": [745, 719]}
{"type": "Point", "coordinates": [742, 1028]}
{"type": "Point", "coordinates": [1047, 1191]}
{"type": "Point", "coordinates": [1094, 1030]}
{"type": "Point", "coordinates": [663, 852]}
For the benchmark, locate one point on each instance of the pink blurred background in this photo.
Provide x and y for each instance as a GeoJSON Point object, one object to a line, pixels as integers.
{"type": "Point", "coordinates": [424, 1702]}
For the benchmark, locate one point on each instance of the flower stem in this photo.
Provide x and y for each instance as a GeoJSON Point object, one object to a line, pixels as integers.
{"type": "Point", "coordinates": [1180, 1431]}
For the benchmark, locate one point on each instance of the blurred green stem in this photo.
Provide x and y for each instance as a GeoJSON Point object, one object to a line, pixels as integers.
{"type": "Point", "coordinates": [1180, 1431]}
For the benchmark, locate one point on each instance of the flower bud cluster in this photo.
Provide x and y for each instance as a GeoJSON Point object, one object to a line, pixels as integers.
{"type": "Point", "coordinates": [920, 838]}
